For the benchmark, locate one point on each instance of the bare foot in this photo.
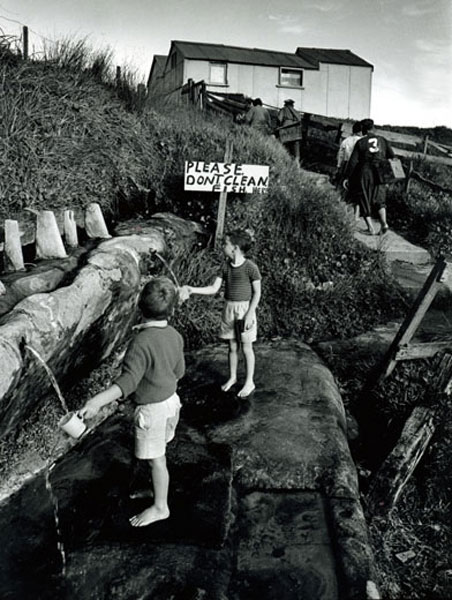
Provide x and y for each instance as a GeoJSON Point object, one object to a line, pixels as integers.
{"type": "Point", "coordinates": [246, 390]}
{"type": "Point", "coordinates": [148, 516]}
{"type": "Point", "coordinates": [229, 383]}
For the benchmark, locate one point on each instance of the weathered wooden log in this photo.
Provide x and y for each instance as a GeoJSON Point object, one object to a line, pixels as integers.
{"type": "Point", "coordinates": [386, 487]}
{"type": "Point", "coordinates": [388, 483]}
{"type": "Point", "coordinates": [94, 222]}
{"type": "Point", "coordinates": [70, 229]}
{"type": "Point", "coordinates": [48, 239]}
{"type": "Point", "coordinates": [14, 260]}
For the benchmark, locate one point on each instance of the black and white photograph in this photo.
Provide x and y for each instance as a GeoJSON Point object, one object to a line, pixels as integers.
{"type": "Point", "coordinates": [225, 300]}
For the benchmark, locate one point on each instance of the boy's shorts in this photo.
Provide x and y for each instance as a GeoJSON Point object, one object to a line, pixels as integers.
{"type": "Point", "coordinates": [230, 328]}
{"type": "Point", "coordinates": [155, 425]}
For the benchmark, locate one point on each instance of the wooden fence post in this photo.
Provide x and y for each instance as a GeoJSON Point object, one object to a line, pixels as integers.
{"type": "Point", "coordinates": [25, 42]}
{"type": "Point", "coordinates": [118, 76]}
{"type": "Point", "coordinates": [48, 239]}
{"type": "Point", "coordinates": [70, 229]}
{"type": "Point", "coordinates": [14, 260]}
{"type": "Point", "coordinates": [408, 178]}
{"type": "Point", "coordinates": [223, 197]}
{"type": "Point", "coordinates": [425, 150]}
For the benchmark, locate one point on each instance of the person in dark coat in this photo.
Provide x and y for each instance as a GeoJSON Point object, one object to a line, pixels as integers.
{"type": "Point", "coordinates": [258, 117]}
{"type": "Point", "coordinates": [363, 175]}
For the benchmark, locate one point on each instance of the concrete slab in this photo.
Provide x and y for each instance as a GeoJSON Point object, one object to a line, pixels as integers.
{"type": "Point", "coordinates": [392, 244]}
{"type": "Point", "coordinates": [285, 550]}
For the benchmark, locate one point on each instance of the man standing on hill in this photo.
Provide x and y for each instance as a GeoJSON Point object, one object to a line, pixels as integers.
{"type": "Point", "coordinates": [343, 156]}
{"type": "Point", "coordinates": [258, 117]}
{"type": "Point", "coordinates": [363, 173]}
{"type": "Point", "coordinates": [287, 116]}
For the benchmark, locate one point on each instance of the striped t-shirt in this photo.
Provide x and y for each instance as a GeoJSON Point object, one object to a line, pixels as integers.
{"type": "Point", "coordinates": [238, 280]}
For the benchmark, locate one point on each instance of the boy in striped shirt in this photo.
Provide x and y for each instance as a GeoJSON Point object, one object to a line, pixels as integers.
{"type": "Point", "coordinates": [242, 294]}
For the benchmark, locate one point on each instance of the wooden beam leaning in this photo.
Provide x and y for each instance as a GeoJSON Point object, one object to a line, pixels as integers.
{"type": "Point", "coordinates": [14, 260]}
{"type": "Point", "coordinates": [387, 485]}
{"type": "Point", "coordinates": [423, 350]}
{"type": "Point", "coordinates": [411, 322]}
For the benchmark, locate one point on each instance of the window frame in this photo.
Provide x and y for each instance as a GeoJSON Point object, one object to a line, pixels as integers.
{"type": "Point", "coordinates": [217, 63]}
{"type": "Point", "coordinates": [291, 70]}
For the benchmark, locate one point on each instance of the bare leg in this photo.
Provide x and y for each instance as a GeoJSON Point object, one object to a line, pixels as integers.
{"type": "Point", "coordinates": [160, 481]}
{"type": "Point", "coordinates": [135, 479]}
{"type": "Point", "coordinates": [249, 386]}
{"type": "Point", "coordinates": [356, 212]}
{"type": "Point", "coordinates": [370, 226]}
{"type": "Point", "coordinates": [382, 215]}
{"type": "Point", "coordinates": [233, 361]}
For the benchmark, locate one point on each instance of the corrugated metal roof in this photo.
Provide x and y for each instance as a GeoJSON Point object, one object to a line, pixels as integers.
{"type": "Point", "coordinates": [236, 54]}
{"type": "Point", "coordinates": [331, 55]}
{"type": "Point", "coordinates": [158, 66]}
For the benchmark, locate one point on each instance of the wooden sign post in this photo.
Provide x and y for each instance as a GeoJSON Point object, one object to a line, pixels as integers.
{"type": "Point", "coordinates": [224, 177]}
{"type": "Point", "coordinates": [221, 215]}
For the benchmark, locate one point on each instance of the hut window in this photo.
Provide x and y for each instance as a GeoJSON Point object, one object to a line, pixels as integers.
{"type": "Point", "coordinates": [290, 77]}
{"type": "Point", "coordinates": [218, 73]}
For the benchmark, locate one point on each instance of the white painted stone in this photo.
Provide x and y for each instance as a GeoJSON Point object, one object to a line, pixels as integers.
{"type": "Point", "coordinates": [70, 229]}
{"type": "Point", "coordinates": [48, 239]}
{"type": "Point", "coordinates": [94, 222]}
{"type": "Point", "coordinates": [14, 260]}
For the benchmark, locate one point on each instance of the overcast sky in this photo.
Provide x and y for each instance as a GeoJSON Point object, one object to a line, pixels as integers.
{"type": "Point", "coordinates": [409, 42]}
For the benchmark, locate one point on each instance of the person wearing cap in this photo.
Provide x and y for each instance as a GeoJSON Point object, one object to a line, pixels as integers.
{"type": "Point", "coordinates": [288, 115]}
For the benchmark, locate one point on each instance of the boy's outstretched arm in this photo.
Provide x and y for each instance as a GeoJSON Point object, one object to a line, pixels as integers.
{"type": "Point", "coordinates": [255, 298]}
{"type": "Point", "coordinates": [94, 404]}
{"type": "Point", "coordinates": [208, 290]}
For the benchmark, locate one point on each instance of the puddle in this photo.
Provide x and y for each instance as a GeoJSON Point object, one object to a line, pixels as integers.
{"type": "Point", "coordinates": [81, 506]}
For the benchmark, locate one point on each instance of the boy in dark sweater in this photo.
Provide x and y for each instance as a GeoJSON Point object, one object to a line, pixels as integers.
{"type": "Point", "coordinates": [153, 364]}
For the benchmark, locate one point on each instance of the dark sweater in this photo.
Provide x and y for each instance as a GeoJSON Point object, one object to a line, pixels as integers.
{"type": "Point", "coordinates": [153, 363]}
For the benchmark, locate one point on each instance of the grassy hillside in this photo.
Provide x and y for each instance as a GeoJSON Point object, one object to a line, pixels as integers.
{"type": "Point", "coordinates": [68, 138]}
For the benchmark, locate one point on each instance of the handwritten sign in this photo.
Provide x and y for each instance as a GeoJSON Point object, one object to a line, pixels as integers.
{"type": "Point", "coordinates": [225, 177]}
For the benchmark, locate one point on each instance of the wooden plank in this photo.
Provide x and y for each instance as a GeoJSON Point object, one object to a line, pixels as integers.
{"type": "Point", "coordinates": [441, 148]}
{"type": "Point", "coordinates": [422, 350]}
{"type": "Point", "coordinates": [411, 322]}
{"type": "Point", "coordinates": [401, 138]}
{"type": "Point", "coordinates": [442, 160]}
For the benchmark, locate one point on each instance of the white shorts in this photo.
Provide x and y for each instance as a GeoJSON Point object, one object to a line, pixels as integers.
{"type": "Point", "coordinates": [233, 313]}
{"type": "Point", "coordinates": [155, 425]}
